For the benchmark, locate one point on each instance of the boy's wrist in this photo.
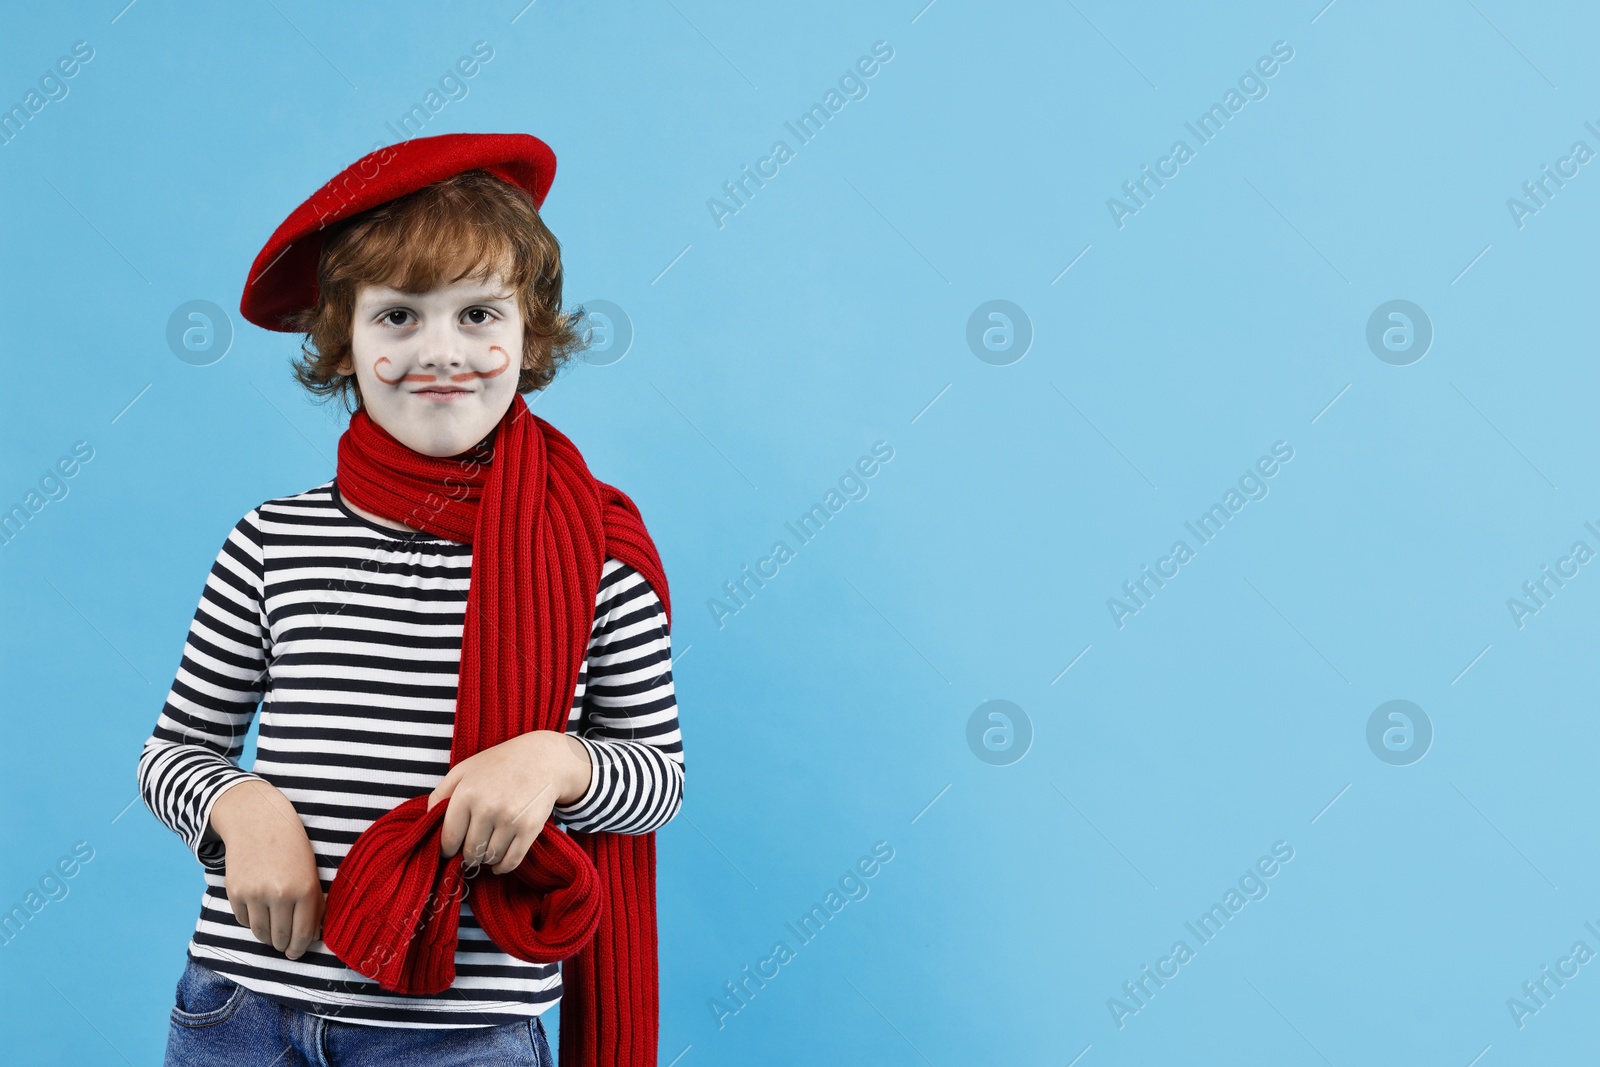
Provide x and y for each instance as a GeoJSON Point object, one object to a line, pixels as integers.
{"type": "Point", "coordinates": [241, 802]}
{"type": "Point", "coordinates": [227, 801]}
{"type": "Point", "coordinates": [580, 772]}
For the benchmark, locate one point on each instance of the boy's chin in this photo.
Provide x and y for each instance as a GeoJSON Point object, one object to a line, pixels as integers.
{"type": "Point", "coordinates": [440, 430]}
{"type": "Point", "coordinates": [442, 438]}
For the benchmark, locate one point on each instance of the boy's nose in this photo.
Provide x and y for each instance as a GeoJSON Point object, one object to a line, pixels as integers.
{"type": "Point", "coordinates": [441, 351]}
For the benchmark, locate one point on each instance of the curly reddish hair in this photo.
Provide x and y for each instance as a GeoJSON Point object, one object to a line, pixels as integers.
{"type": "Point", "coordinates": [464, 226]}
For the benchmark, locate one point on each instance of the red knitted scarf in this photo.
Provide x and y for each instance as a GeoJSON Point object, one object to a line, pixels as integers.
{"type": "Point", "coordinates": [541, 526]}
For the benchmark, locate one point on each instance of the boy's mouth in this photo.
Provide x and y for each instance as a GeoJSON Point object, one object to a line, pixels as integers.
{"type": "Point", "coordinates": [444, 393]}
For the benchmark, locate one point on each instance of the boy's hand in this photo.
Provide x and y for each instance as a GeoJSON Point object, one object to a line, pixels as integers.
{"type": "Point", "coordinates": [271, 872]}
{"type": "Point", "coordinates": [500, 798]}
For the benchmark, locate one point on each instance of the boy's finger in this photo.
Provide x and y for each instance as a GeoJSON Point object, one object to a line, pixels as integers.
{"type": "Point", "coordinates": [304, 929]}
{"type": "Point", "coordinates": [478, 842]}
{"type": "Point", "coordinates": [261, 923]}
{"type": "Point", "coordinates": [516, 851]}
{"type": "Point", "coordinates": [501, 845]}
{"type": "Point", "coordinates": [282, 924]}
{"type": "Point", "coordinates": [443, 790]}
{"type": "Point", "coordinates": [453, 830]}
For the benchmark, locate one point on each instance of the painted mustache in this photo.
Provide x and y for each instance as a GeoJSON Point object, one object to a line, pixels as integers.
{"type": "Point", "coordinates": [465, 376]}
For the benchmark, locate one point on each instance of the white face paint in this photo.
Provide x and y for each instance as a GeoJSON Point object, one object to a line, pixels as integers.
{"type": "Point", "coordinates": [437, 370]}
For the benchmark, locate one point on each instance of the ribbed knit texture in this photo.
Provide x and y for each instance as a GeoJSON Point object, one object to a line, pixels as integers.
{"type": "Point", "coordinates": [541, 526]}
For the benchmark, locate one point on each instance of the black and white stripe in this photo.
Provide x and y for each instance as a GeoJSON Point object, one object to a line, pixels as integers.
{"type": "Point", "coordinates": [348, 635]}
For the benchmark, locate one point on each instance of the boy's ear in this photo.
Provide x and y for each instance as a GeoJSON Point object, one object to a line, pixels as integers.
{"type": "Point", "coordinates": [346, 367]}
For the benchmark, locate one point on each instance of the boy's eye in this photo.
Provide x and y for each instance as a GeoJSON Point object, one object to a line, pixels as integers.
{"type": "Point", "coordinates": [478, 316]}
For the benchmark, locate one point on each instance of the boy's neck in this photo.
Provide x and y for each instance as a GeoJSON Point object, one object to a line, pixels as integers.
{"type": "Point", "coordinates": [483, 450]}
{"type": "Point", "coordinates": [380, 520]}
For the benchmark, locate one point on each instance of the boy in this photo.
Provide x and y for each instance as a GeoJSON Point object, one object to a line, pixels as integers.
{"type": "Point", "coordinates": [464, 609]}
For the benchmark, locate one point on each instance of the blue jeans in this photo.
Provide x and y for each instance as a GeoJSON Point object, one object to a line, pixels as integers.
{"type": "Point", "coordinates": [217, 1021]}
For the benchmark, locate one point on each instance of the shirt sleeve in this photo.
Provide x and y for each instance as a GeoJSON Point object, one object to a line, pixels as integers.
{"type": "Point", "coordinates": [628, 718]}
{"type": "Point", "coordinates": [192, 757]}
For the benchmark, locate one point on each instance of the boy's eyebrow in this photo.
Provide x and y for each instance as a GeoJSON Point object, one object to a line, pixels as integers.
{"type": "Point", "coordinates": [377, 294]}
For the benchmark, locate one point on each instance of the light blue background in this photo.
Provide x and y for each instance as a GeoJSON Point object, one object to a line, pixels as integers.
{"type": "Point", "coordinates": [829, 314]}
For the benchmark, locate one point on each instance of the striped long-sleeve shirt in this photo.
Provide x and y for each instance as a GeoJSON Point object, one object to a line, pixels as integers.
{"type": "Point", "coordinates": [348, 635]}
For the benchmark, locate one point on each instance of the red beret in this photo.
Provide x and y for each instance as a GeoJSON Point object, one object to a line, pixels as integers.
{"type": "Point", "coordinates": [283, 279]}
